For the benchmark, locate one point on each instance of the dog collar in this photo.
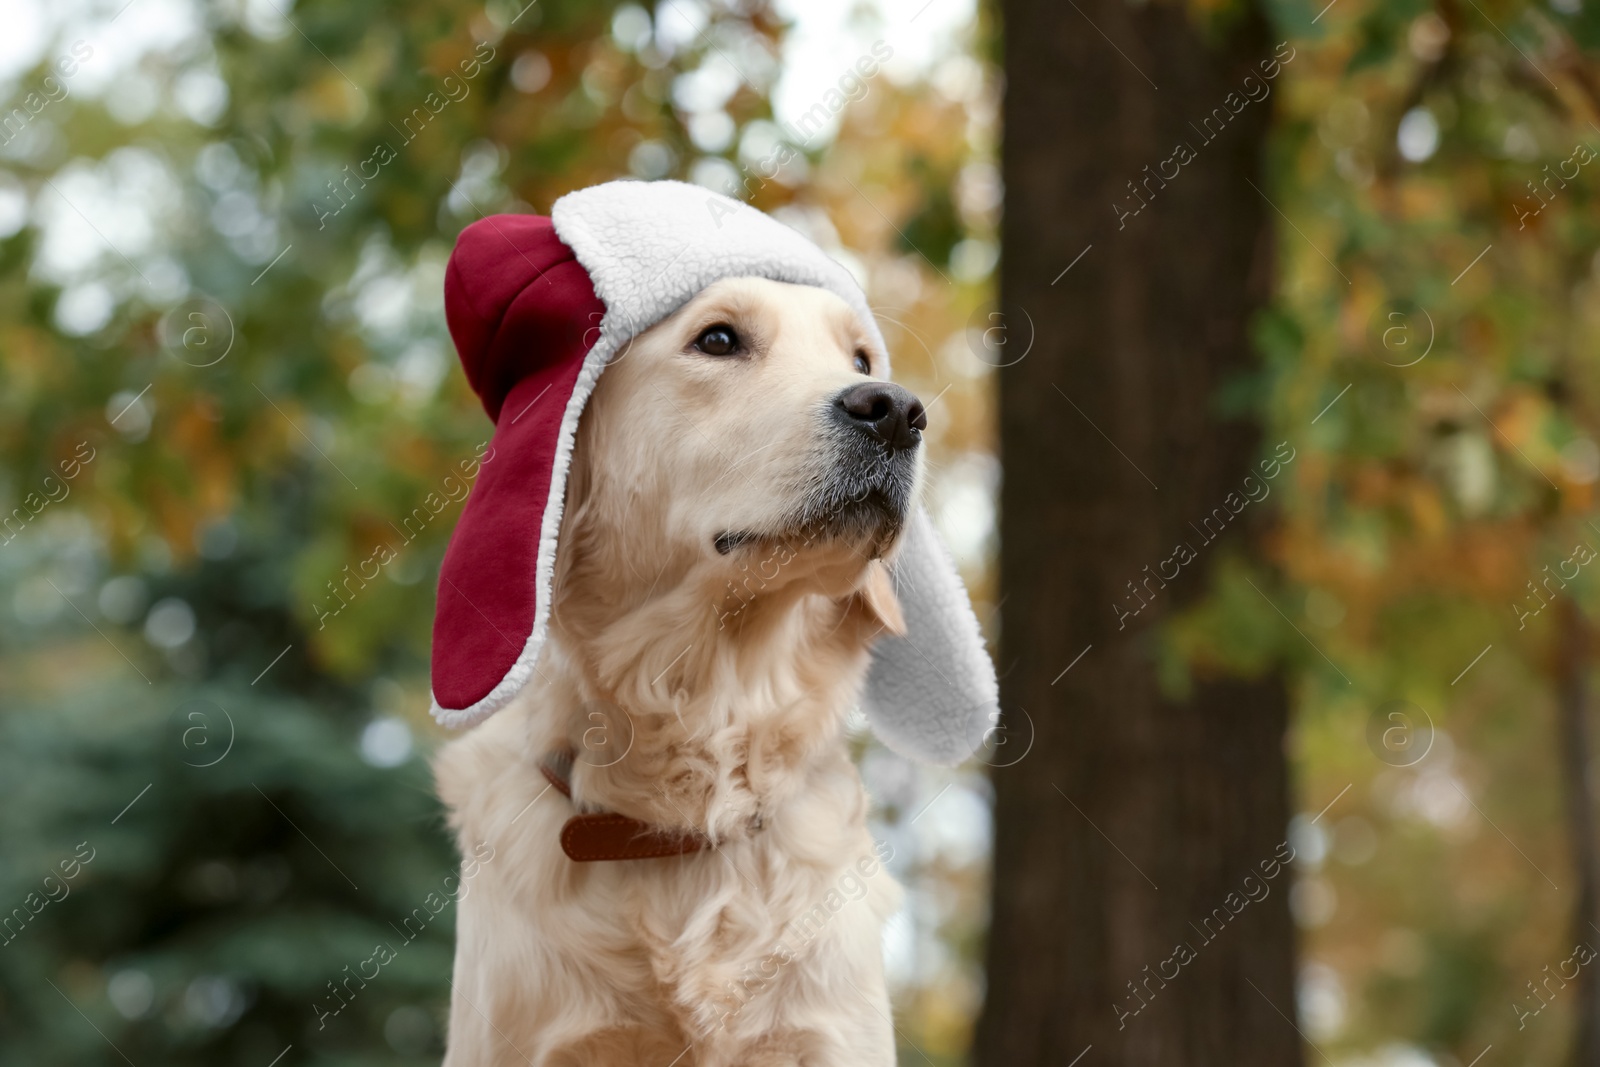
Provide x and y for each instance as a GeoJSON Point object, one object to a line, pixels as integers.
{"type": "Point", "coordinates": [605, 835]}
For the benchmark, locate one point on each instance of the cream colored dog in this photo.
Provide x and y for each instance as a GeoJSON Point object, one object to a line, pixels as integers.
{"type": "Point", "coordinates": [739, 475]}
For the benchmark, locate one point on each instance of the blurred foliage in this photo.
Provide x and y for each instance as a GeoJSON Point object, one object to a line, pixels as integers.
{"type": "Point", "coordinates": [1430, 356]}
{"type": "Point", "coordinates": [221, 258]}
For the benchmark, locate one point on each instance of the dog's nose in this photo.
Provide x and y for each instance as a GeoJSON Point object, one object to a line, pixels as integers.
{"type": "Point", "coordinates": [886, 412]}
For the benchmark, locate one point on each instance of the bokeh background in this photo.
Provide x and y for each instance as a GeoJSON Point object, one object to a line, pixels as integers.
{"type": "Point", "coordinates": [225, 376]}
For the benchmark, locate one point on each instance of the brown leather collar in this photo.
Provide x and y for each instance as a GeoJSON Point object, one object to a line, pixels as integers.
{"type": "Point", "coordinates": [605, 835]}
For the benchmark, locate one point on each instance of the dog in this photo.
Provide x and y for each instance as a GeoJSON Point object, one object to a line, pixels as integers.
{"type": "Point", "coordinates": [741, 477]}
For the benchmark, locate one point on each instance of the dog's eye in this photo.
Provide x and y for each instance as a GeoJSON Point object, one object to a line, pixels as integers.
{"type": "Point", "coordinates": [717, 341]}
{"type": "Point", "coordinates": [863, 364]}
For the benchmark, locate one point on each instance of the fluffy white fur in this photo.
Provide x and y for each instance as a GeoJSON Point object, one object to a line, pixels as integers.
{"type": "Point", "coordinates": [650, 247]}
{"type": "Point", "coordinates": [695, 700]}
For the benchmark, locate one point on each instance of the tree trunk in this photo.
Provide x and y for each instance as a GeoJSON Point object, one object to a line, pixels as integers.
{"type": "Point", "coordinates": [1131, 826]}
{"type": "Point", "coordinates": [1577, 773]}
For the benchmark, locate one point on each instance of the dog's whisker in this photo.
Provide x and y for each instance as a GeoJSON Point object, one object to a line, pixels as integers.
{"type": "Point", "coordinates": [752, 453]}
{"type": "Point", "coordinates": [738, 465]}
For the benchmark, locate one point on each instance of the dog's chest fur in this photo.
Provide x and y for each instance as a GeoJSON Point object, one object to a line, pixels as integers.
{"type": "Point", "coordinates": [725, 951]}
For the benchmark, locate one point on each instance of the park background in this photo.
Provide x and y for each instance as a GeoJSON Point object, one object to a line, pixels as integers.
{"type": "Point", "coordinates": [221, 382]}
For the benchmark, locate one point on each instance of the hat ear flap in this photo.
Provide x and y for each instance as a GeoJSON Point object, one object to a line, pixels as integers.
{"type": "Point", "coordinates": [520, 309]}
{"type": "Point", "coordinates": [931, 690]}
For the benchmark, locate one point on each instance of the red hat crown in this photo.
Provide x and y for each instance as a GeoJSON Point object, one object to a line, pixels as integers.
{"type": "Point", "coordinates": [516, 300]}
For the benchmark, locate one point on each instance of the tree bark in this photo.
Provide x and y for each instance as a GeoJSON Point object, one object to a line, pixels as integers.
{"type": "Point", "coordinates": [1572, 709]}
{"type": "Point", "coordinates": [1137, 812]}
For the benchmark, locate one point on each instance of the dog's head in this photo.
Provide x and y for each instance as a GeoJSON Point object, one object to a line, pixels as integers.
{"type": "Point", "coordinates": [750, 429]}
{"type": "Point", "coordinates": [693, 421]}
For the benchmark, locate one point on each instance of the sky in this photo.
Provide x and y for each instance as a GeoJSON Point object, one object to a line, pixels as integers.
{"type": "Point", "coordinates": [829, 35]}
{"type": "Point", "coordinates": [826, 38]}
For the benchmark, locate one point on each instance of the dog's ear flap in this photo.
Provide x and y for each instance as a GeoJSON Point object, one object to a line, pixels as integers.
{"type": "Point", "coordinates": [878, 600]}
{"type": "Point", "coordinates": [931, 692]}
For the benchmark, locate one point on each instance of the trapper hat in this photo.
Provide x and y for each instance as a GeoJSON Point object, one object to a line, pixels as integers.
{"type": "Point", "coordinates": [537, 307]}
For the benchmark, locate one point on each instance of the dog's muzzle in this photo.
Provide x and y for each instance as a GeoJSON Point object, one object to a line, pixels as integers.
{"type": "Point", "coordinates": [866, 473]}
{"type": "Point", "coordinates": [875, 431]}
